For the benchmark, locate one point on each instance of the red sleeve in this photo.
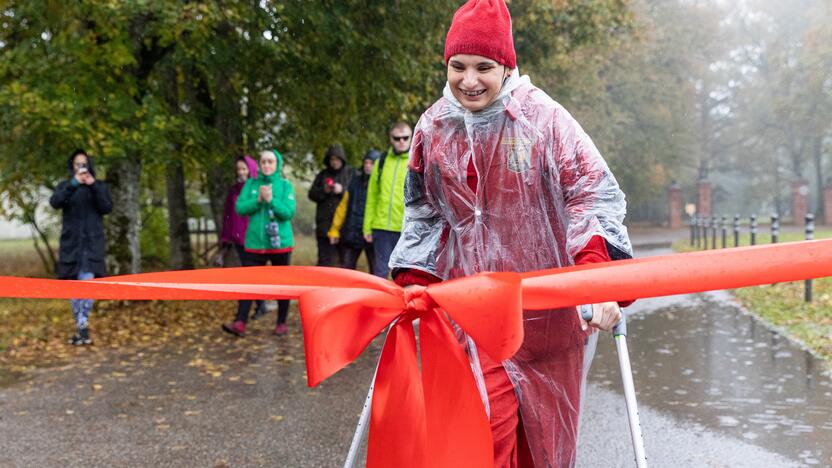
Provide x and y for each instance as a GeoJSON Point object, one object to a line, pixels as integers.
{"type": "Point", "coordinates": [595, 251]}
{"type": "Point", "coordinates": [410, 277]}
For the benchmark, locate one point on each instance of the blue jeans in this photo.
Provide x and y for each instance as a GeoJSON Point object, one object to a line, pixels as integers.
{"type": "Point", "coordinates": [81, 307]}
{"type": "Point", "coordinates": [383, 244]}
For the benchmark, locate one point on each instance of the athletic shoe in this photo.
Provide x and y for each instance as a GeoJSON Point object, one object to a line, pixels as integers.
{"type": "Point", "coordinates": [281, 329]}
{"type": "Point", "coordinates": [236, 328]}
{"type": "Point", "coordinates": [81, 338]}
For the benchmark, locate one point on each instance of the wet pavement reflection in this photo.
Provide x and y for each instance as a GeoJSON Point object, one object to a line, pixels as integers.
{"type": "Point", "coordinates": [705, 361]}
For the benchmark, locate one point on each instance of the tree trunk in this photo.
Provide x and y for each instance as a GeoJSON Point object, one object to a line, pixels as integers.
{"type": "Point", "coordinates": [123, 224]}
{"type": "Point", "coordinates": [181, 255]}
{"type": "Point", "coordinates": [230, 128]}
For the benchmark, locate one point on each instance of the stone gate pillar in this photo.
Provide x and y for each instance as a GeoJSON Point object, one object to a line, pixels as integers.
{"type": "Point", "coordinates": [703, 207]}
{"type": "Point", "coordinates": [674, 198]}
{"type": "Point", "coordinates": [800, 201]}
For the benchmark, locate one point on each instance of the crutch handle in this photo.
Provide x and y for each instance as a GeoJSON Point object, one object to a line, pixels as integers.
{"type": "Point", "coordinates": [586, 312]}
{"type": "Point", "coordinates": [618, 330]}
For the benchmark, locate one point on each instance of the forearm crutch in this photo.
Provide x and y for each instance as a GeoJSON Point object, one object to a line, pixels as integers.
{"type": "Point", "coordinates": [619, 333]}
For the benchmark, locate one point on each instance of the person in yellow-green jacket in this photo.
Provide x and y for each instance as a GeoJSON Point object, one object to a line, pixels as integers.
{"type": "Point", "coordinates": [384, 210]}
{"type": "Point", "coordinates": [269, 202]}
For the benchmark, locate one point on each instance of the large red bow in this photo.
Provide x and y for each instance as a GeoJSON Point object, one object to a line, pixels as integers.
{"type": "Point", "coordinates": [438, 414]}
{"type": "Point", "coordinates": [436, 417]}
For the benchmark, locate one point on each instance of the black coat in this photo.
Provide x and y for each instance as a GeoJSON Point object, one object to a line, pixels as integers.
{"type": "Point", "coordinates": [82, 230]}
{"type": "Point", "coordinates": [352, 232]}
{"type": "Point", "coordinates": [328, 202]}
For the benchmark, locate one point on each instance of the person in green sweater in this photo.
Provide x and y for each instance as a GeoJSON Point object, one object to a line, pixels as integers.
{"type": "Point", "coordinates": [269, 202]}
{"type": "Point", "coordinates": [385, 198]}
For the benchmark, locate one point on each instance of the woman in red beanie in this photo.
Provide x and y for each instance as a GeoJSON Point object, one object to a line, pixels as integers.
{"type": "Point", "coordinates": [502, 178]}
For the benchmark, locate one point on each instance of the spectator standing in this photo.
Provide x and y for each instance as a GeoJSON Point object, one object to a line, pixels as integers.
{"type": "Point", "coordinates": [269, 202]}
{"type": "Point", "coordinates": [327, 191]}
{"type": "Point", "coordinates": [385, 198]}
{"type": "Point", "coordinates": [83, 201]}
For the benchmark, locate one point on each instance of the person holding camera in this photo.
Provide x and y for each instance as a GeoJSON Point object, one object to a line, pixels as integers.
{"type": "Point", "coordinates": [269, 202]}
{"type": "Point", "coordinates": [327, 191]}
{"type": "Point", "coordinates": [83, 201]}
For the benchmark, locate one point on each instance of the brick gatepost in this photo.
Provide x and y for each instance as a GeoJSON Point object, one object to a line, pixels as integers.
{"type": "Point", "coordinates": [703, 208]}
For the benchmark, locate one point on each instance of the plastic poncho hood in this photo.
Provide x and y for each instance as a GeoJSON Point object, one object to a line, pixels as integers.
{"type": "Point", "coordinates": [542, 192]}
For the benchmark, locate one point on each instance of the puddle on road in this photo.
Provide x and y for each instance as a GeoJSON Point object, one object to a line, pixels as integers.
{"type": "Point", "coordinates": [708, 363]}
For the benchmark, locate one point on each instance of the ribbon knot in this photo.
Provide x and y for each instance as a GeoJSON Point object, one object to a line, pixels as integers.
{"type": "Point", "coordinates": [417, 301]}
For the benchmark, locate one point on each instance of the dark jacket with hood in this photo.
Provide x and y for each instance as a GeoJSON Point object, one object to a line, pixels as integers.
{"type": "Point", "coordinates": [328, 202]}
{"type": "Point", "coordinates": [82, 232]}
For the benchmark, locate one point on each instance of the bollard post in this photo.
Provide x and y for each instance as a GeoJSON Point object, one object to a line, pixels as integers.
{"type": "Point", "coordinates": [714, 221]}
{"type": "Point", "coordinates": [736, 230]}
{"type": "Point", "coordinates": [753, 225]}
{"type": "Point", "coordinates": [810, 234]}
{"type": "Point", "coordinates": [775, 228]}
{"type": "Point", "coordinates": [692, 229]}
{"type": "Point", "coordinates": [695, 220]}
{"type": "Point", "coordinates": [724, 231]}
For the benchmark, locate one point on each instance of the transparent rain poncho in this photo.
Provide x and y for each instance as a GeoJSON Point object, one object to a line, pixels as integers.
{"type": "Point", "coordinates": [543, 192]}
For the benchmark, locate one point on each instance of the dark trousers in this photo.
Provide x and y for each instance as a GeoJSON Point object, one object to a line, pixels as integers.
{"type": "Point", "coordinates": [327, 253]}
{"type": "Point", "coordinates": [383, 244]}
{"type": "Point", "coordinates": [255, 259]}
{"type": "Point", "coordinates": [350, 256]}
{"type": "Point", "coordinates": [241, 252]}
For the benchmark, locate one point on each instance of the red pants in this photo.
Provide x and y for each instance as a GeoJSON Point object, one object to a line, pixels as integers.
{"type": "Point", "coordinates": [510, 447]}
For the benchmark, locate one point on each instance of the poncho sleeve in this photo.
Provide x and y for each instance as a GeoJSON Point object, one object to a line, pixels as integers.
{"type": "Point", "coordinates": [594, 203]}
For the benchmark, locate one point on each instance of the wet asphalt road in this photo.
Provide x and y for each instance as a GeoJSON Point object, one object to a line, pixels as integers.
{"type": "Point", "coordinates": [716, 389]}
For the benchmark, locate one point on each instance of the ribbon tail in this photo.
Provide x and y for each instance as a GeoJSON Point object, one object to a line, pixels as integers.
{"type": "Point", "coordinates": [398, 435]}
{"type": "Point", "coordinates": [458, 430]}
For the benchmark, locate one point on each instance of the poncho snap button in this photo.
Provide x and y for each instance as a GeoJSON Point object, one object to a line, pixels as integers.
{"type": "Point", "coordinates": [477, 213]}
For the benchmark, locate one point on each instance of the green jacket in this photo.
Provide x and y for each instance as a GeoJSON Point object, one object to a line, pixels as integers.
{"type": "Point", "coordinates": [385, 195]}
{"type": "Point", "coordinates": [282, 208]}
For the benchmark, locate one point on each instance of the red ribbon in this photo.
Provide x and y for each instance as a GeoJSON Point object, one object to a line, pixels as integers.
{"type": "Point", "coordinates": [435, 417]}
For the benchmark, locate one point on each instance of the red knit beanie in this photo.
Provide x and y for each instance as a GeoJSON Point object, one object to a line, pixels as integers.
{"type": "Point", "coordinates": [482, 27]}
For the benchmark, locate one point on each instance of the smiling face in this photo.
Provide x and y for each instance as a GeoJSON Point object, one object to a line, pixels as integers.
{"type": "Point", "coordinates": [268, 163]}
{"type": "Point", "coordinates": [474, 80]}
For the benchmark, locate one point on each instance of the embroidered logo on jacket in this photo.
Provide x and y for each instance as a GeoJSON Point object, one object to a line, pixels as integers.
{"type": "Point", "coordinates": [518, 153]}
